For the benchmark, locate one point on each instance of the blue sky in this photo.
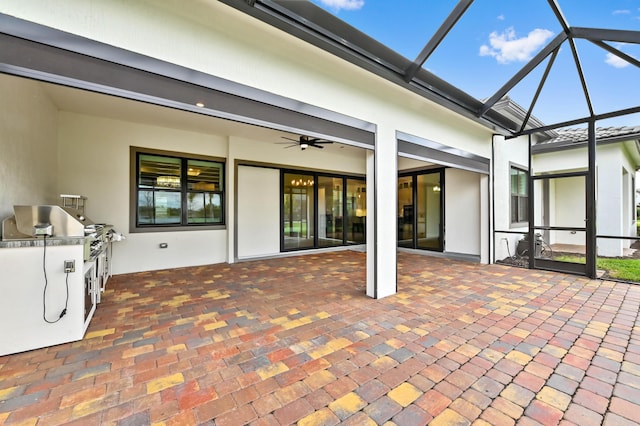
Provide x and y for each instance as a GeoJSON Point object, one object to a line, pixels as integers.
{"type": "Point", "coordinates": [495, 39]}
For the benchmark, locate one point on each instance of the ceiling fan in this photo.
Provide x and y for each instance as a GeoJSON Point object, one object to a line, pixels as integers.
{"type": "Point", "coordinates": [305, 142]}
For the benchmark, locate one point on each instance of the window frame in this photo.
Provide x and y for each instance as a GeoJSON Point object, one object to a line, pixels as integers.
{"type": "Point", "coordinates": [134, 227]}
{"type": "Point", "coordinates": [525, 222]}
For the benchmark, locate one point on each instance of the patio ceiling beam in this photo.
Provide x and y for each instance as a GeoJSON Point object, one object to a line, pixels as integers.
{"type": "Point", "coordinates": [618, 53]}
{"type": "Point", "coordinates": [583, 81]}
{"type": "Point", "coordinates": [530, 66]}
{"type": "Point", "coordinates": [437, 38]}
{"type": "Point", "coordinates": [596, 34]}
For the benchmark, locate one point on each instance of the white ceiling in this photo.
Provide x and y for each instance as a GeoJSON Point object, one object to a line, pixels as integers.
{"type": "Point", "coordinates": [81, 101]}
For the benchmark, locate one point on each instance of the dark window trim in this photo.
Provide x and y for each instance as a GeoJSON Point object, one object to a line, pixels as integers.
{"type": "Point", "coordinates": [520, 224]}
{"type": "Point", "coordinates": [316, 173]}
{"type": "Point", "coordinates": [133, 191]}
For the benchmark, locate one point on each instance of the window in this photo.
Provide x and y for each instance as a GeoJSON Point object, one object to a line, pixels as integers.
{"type": "Point", "coordinates": [321, 210]}
{"type": "Point", "coordinates": [519, 196]}
{"type": "Point", "coordinates": [176, 190]}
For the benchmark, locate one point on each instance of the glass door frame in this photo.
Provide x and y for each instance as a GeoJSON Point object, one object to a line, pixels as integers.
{"type": "Point", "coordinates": [550, 264]}
{"type": "Point", "coordinates": [414, 179]}
{"type": "Point", "coordinates": [314, 219]}
{"type": "Point", "coordinates": [590, 210]}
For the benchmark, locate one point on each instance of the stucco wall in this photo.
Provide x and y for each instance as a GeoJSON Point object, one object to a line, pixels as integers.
{"type": "Point", "coordinates": [462, 218]}
{"type": "Point", "coordinates": [94, 161]}
{"type": "Point", "coordinates": [28, 146]}
{"type": "Point", "coordinates": [258, 228]}
{"type": "Point", "coordinates": [507, 153]}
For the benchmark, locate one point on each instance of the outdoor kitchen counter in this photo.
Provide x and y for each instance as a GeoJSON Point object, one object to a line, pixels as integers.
{"type": "Point", "coordinates": [39, 242]}
{"type": "Point", "coordinates": [32, 301]}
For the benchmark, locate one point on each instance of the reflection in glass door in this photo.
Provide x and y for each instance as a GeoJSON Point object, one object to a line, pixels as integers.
{"type": "Point", "coordinates": [330, 220]}
{"type": "Point", "coordinates": [356, 211]}
{"type": "Point", "coordinates": [420, 211]}
{"type": "Point", "coordinates": [429, 234]}
{"type": "Point", "coordinates": [298, 217]}
{"type": "Point", "coordinates": [405, 212]}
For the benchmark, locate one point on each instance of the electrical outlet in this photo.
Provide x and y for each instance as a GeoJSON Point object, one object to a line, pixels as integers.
{"type": "Point", "coordinates": [69, 266]}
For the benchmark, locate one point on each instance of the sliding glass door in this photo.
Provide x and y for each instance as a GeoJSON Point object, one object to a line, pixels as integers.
{"type": "Point", "coordinates": [322, 211]}
{"type": "Point", "coordinates": [429, 212]}
{"type": "Point", "coordinates": [405, 211]}
{"type": "Point", "coordinates": [420, 211]}
{"type": "Point", "coordinates": [330, 211]}
{"type": "Point", "coordinates": [356, 211]}
{"type": "Point", "coordinates": [298, 211]}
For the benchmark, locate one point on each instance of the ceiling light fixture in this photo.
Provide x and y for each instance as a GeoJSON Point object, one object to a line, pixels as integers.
{"type": "Point", "coordinates": [168, 181]}
{"type": "Point", "coordinates": [300, 182]}
{"type": "Point", "coordinates": [200, 104]}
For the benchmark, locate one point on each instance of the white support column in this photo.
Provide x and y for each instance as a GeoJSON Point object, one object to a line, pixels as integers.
{"type": "Point", "coordinates": [382, 178]}
{"type": "Point", "coordinates": [371, 224]}
{"type": "Point", "coordinates": [485, 220]}
{"type": "Point", "coordinates": [230, 191]}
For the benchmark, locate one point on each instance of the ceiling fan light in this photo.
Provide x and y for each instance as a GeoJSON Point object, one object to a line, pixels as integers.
{"type": "Point", "coordinates": [304, 145]}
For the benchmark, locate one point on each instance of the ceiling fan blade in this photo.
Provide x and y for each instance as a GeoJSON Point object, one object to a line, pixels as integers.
{"type": "Point", "coordinates": [291, 146]}
{"type": "Point", "coordinates": [294, 140]}
{"type": "Point", "coordinates": [316, 146]}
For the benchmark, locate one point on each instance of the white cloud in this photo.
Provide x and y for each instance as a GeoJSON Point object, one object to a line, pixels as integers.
{"type": "Point", "coordinates": [622, 12]}
{"type": "Point", "coordinates": [500, 18]}
{"type": "Point", "coordinates": [506, 48]}
{"type": "Point", "coordinates": [343, 4]}
{"type": "Point", "coordinates": [616, 61]}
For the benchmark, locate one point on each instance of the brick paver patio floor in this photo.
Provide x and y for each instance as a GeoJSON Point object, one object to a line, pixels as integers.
{"type": "Point", "coordinates": [295, 340]}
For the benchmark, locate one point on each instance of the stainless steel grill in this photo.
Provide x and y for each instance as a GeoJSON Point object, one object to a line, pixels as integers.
{"type": "Point", "coordinates": [57, 221]}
